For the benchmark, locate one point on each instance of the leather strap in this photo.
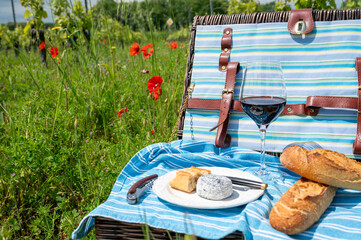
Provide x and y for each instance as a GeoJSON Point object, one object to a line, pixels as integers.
{"type": "Point", "coordinates": [297, 15]}
{"type": "Point", "coordinates": [357, 143]}
{"type": "Point", "coordinates": [223, 139]}
{"type": "Point", "coordinates": [225, 49]}
{"type": "Point", "coordinates": [290, 109]}
{"type": "Point", "coordinates": [311, 108]}
{"type": "Point", "coordinates": [332, 102]}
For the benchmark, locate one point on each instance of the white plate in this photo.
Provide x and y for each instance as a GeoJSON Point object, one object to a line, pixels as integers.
{"type": "Point", "coordinates": [239, 197]}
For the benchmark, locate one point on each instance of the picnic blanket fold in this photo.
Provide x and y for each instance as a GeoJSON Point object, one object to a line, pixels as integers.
{"type": "Point", "coordinates": [251, 219]}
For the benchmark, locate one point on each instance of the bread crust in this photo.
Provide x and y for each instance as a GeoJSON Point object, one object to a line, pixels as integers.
{"type": "Point", "coordinates": [186, 179]}
{"type": "Point", "coordinates": [301, 206]}
{"type": "Point", "coordinates": [324, 166]}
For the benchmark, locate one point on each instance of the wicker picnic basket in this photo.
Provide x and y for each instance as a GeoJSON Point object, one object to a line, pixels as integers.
{"type": "Point", "coordinates": [111, 229]}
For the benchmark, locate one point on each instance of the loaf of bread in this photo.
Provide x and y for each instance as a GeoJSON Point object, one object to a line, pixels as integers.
{"type": "Point", "coordinates": [186, 179]}
{"type": "Point", "coordinates": [301, 206]}
{"type": "Point", "coordinates": [324, 166]}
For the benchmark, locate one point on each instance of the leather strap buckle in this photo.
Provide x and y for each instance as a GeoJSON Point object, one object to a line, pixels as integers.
{"type": "Point", "coordinates": [222, 138]}
{"type": "Point", "coordinates": [228, 91]}
{"type": "Point", "coordinates": [300, 27]}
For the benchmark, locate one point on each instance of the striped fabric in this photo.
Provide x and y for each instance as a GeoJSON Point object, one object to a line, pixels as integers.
{"type": "Point", "coordinates": [322, 64]}
{"type": "Point", "coordinates": [341, 220]}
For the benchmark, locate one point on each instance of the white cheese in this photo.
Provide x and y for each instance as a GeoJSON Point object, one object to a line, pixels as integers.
{"type": "Point", "coordinates": [214, 187]}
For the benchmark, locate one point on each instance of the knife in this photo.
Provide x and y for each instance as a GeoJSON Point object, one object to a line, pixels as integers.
{"type": "Point", "coordinates": [139, 188]}
{"type": "Point", "coordinates": [248, 183]}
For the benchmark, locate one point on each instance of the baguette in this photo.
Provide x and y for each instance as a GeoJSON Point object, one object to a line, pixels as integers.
{"type": "Point", "coordinates": [301, 206]}
{"type": "Point", "coordinates": [186, 179]}
{"type": "Point", "coordinates": [324, 166]}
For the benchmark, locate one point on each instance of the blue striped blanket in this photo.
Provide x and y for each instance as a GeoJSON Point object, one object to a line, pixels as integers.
{"type": "Point", "coordinates": [342, 220]}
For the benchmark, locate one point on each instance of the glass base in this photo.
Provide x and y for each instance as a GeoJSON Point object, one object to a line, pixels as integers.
{"type": "Point", "coordinates": [268, 176]}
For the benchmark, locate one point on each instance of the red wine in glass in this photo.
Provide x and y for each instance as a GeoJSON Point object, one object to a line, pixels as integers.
{"type": "Point", "coordinates": [264, 109]}
{"type": "Point", "coordinates": [263, 98]}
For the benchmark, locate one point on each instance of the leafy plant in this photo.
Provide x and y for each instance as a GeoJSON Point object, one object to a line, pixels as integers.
{"type": "Point", "coordinates": [238, 6]}
{"type": "Point", "coordinates": [316, 4]}
{"type": "Point", "coordinates": [351, 4]}
{"type": "Point", "coordinates": [34, 13]}
{"type": "Point", "coordinates": [282, 6]}
{"type": "Point", "coordinates": [180, 35]}
{"type": "Point", "coordinates": [72, 19]}
{"type": "Point", "coordinates": [113, 31]}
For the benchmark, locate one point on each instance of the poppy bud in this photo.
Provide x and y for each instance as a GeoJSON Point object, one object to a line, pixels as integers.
{"type": "Point", "coordinates": [76, 123]}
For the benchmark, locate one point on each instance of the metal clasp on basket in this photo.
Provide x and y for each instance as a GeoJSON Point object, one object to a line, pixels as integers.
{"type": "Point", "coordinates": [191, 88]}
{"type": "Point", "coordinates": [300, 28]}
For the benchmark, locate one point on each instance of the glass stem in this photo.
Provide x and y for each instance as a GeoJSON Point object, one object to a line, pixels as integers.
{"type": "Point", "coordinates": [262, 132]}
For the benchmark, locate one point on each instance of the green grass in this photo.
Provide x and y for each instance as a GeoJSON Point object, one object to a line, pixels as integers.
{"type": "Point", "coordinates": [62, 145]}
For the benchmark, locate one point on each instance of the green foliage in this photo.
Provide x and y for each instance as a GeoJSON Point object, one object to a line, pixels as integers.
{"type": "Point", "coordinates": [62, 144]}
{"type": "Point", "coordinates": [282, 6]}
{"type": "Point", "coordinates": [111, 30]}
{"type": "Point", "coordinates": [107, 8]}
{"type": "Point", "coordinates": [316, 4]}
{"type": "Point", "coordinates": [12, 38]}
{"type": "Point", "coordinates": [153, 14]}
{"type": "Point", "coordinates": [180, 35]}
{"type": "Point", "coordinates": [34, 13]}
{"type": "Point", "coordinates": [72, 17]}
{"type": "Point", "coordinates": [268, 7]}
{"type": "Point", "coordinates": [3, 31]}
{"type": "Point", "coordinates": [351, 4]}
{"type": "Point", "coordinates": [238, 6]}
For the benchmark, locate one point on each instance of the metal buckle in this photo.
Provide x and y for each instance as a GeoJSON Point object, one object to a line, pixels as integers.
{"type": "Point", "coordinates": [227, 91]}
{"type": "Point", "coordinates": [191, 88]}
{"type": "Point", "coordinates": [300, 28]}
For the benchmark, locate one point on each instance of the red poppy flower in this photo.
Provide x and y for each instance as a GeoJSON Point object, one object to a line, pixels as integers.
{"type": "Point", "coordinates": [147, 55]}
{"type": "Point", "coordinates": [104, 41]}
{"type": "Point", "coordinates": [120, 113]}
{"type": "Point", "coordinates": [134, 49]}
{"type": "Point", "coordinates": [42, 46]}
{"type": "Point", "coordinates": [152, 131]}
{"type": "Point", "coordinates": [156, 94]}
{"type": "Point", "coordinates": [173, 45]}
{"type": "Point", "coordinates": [125, 109]}
{"type": "Point", "coordinates": [182, 45]}
{"type": "Point", "coordinates": [154, 83]}
{"type": "Point", "coordinates": [154, 86]}
{"type": "Point", "coordinates": [54, 52]}
{"type": "Point", "coordinates": [145, 48]}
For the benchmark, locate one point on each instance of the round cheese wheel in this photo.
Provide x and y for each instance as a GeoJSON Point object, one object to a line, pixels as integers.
{"type": "Point", "coordinates": [214, 187]}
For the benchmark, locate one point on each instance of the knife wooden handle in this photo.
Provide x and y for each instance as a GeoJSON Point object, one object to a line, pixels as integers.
{"type": "Point", "coordinates": [140, 182]}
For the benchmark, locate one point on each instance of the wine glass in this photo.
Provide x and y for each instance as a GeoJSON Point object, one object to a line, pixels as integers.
{"type": "Point", "coordinates": [263, 97]}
